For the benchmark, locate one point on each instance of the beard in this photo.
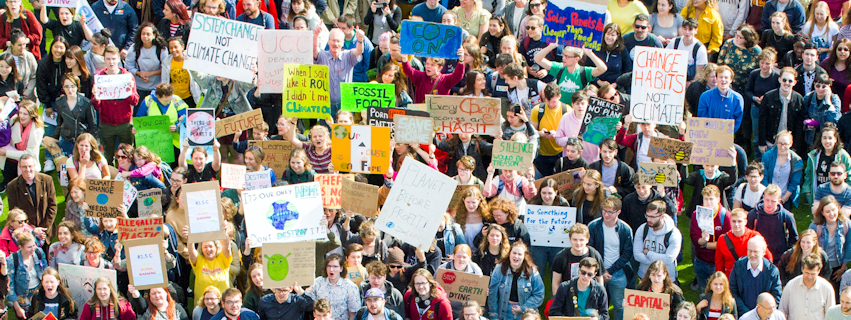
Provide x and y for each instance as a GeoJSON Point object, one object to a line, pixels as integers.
{"type": "Point", "coordinates": [376, 312]}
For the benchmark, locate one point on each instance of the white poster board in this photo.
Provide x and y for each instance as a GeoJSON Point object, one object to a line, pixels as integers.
{"type": "Point", "coordinates": [284, 214]}
{"type": "Point", "coordinates": [705, 219]}
{"type": "Point", "coordinates": [130, 193]}
{"type": "Point", "coordinates": [416, 203]}
{"type": "Point", "coordinates": [222, 47]}
{"type": "Point", "coordinates": [278, 47]}
{"type": "Point", "coordinates": [233, 176]}
{"type": "Point", "coordinates": [80, 280]}
{"type": "Point", "coordinates": [258, 180]}
{"type": "Point", "coordinates": [114, 87]}
{"type": "Point", "coordinates": [548, 226]}
{"type": "Point", "coordinates": [61, 3]}
{"type": "Point", "coordinates": [658, 85]}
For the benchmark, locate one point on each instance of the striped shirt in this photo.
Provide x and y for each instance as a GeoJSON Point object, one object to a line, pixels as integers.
{"type": "Point", "coordinates": [320, 162]}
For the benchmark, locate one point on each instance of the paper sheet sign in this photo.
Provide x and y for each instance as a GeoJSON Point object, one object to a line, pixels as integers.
{"type": "Point", "coordinates": [288, 213]}
{"type": "Point", "coordinates": [114, 87]}
{"type": "Point", "coordinates": [658, 85]}
{"type": "Point", "coordinates": [202, 203]}
{"type": "Point", "coordinates": [654, 305]}
{"type": "Point", "coordinates": [129, 229]}
{"type": "Point", "coordinates": [150, 202]}
{"type": "Point", "coordinates": [360, 149]}
{"type": "Point", "coordinates": [279, 47]}
{"type": "Point", "coordinates": [146, 263]}
{"type": "Point", "coordinates": [287, 263]}
{"type": "Point", "coordinates": [222, 47]}
{"type": "Point", "coordinates": [462, 286]}
{"type": "Point", "coordinates": [427, 39]}
{"type": "Point", "coordinates": [80, 280]}
{"type": "Point", "coordinates": [104, 198]}
{"type": "Point", "coordinates": [575, 23]}
{"type": "Point", "coordinates": [61, 3]}
{"type": "Point", "coordinates": [566, 181]}
{"type": "Point", "coordinates": [549, 226]}
{"type": "Point", "coordinates": [305, 91]}
{"type": "Point", "coordinates": [153, 132]}
{"type": "Point", "coordinates": [258, 180]}
{"type": "Point", "coordinates": [712, 139]}
{"type": "Point", "coordinates": [201, 124]}
{"type": "Point", "coordinates": [600, 120]}
{"type": "Point", "coordinates": [510, 155]}
{"type": "Point", "coordinates": [385, 117]}
{"type": "Point", "coordinates": [277, 154]}
{"type": "Point", "coordinates": [667, 148]}
{"type": "Point", "coordinates": [129, 195]}
{"type": "Point", "coordinates": [239, 122]}
{"type": "Point", "coordinates": [654, 174]}
{"type": "Point", "coordinates": [454, 114]}
{"type": "Point", "coordinates": [419, 130]}
{"type": "Point", "coordinates": [233, 176]}
{"type": "Point", "coordinates": [705, 219]}
{"type": "Point", "coordinates": [359, 197]}
{"type": "Point", "coordinates": [357, 97]}
{"type": "Point", "coordinates": [331, 185]}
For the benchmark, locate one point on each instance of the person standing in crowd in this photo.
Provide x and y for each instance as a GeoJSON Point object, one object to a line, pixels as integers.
{"type": "Point", "coordinates": [722, 102]}
{"type": "Point", "coordinates": [734, 242]}
{"type": "Point", "coordinates": [34, 193]}
{"type": "Point", "coordinates": [753, 275]}
{"type": "Point", "coordinates": [612, 237]}
{"type": "Point", "coordinates": [115, 116]}
{"type": "Point", "coordinates": [429, 11]}
{"type": "Point", "coordinates": [706, 241]}
{"type": "Point", "coordinates": [812, 294]}
{"type": "Point", "coordinates": [657, 240]}
{"type": "Point", "coordinates": [566, 300]}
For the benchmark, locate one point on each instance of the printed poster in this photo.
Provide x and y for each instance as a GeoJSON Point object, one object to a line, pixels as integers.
{"type": "Point", "coordinates": [146, 263]}
{"type": "Point", "coordinates": [549, 226]}
{"type": "Point", "coordinates": [705, 219]}
{"type": "Point", "coordinates": [202, 201]}
{"type": "Point", "coordinates": [288, 213]}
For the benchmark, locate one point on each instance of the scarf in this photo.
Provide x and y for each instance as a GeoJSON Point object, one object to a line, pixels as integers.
{"type": "Point", "coordinates": [110, 311]}
{"type": "Point", "coordinates": [25, 137]}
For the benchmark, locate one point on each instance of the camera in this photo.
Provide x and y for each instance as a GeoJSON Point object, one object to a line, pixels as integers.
{"type": "Point", "coordinates": [380, 5]}
{"type": "Point", "coordinates": [517, 109]}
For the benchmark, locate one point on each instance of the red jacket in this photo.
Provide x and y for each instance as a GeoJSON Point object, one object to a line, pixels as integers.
{"type": "Point", "coordinates": [30, 26]}
{"type": "Point", "coordinates": [116, 112]}
{"type": "Point", "coordinates": [444, 312]}
{"type": "Point", "coordinates": [270, 9]}
{"type": "Point", "coordinates": [724, 258]}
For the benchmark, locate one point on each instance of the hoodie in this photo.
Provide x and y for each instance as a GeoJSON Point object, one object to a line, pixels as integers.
{"type": "Point", "coordinates": [655, 243]}
{"type": "Point", "coordinates": [444, 312]}
{"type": "Point", "coordinates": [778, 229]}
{"type": "Point", "coordinates": [634, 208]}
{"type": "Point", "coordinates": [392, 296]}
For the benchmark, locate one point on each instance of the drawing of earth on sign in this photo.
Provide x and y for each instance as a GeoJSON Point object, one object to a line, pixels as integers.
{"type": "Point", "coordinates": [340, 132]}
{"type": "Point", "coordinates": [283, 215]}
{"type": "Point", "coordinates": [277, 266]}
{"type": "Point", "coordinates": [202, 128]}
{"type": "Point", "coordinates": [102, 199]}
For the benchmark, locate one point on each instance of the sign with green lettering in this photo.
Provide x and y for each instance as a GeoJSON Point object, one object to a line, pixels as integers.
{"type": "Point", "coordinates": [356, 97]}
{"type": "Point", "coordinates": [510, 155]}
{"type": "Point", "coordinates": [153, 132]}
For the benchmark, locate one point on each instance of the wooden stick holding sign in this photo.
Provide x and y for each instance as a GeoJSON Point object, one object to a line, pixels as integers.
{"type": "Point", "coordinates": [239, 123]}
{"type": "Point", "coordinates": [202, 202]}
{"type": "Point", "coordinates": [146, 263]}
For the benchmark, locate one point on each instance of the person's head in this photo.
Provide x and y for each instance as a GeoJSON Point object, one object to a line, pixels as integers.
{"type": "Point", "coordinates": [535, 26]}
{"type": "Point", "coordinates": [788, 78]}
{"type": "Point", "coordinates": [708, 75]}
{"type": "Point", "coordinates": [211, 298]}
{"type": "Point", "coordinates": [105, 294]}
{"type": "Point", "coordinates": [641, 25]}
{"type": "Point", "coordinates": [374, 300]}
{"type": "Point", "coordinates": [845, 300]}
{"type": "Point", "coordinates": [746, 36]}
{"type": "Point", "coordinates": [664, 7]}
{"type": "Point", "coordinates": [711, 196]}
{"type": "Point", "coordinates": [250, 7]}
{"type": "Point", "coordinates": [472, 200]}
{"type": "Point", "coordinates": [655, 214]}
{"type": "Point", "coordinates": [496, 26]}
{"type": "Point", "coordinates": [94, 249]}
{"type": "Point", "coordinates": [687, 311]}
{"type": "Point", "coordinates": [70, 84]}
{"type": "Point", "coordinates": [112, 57]}
{"type": "Point", "coordinates": [8, 68]}
{"type": "Point", "coordinates": [142, 155]}
{"type": "Point", "coordinates": [58, 47]}
{"type": "Point", "coordinates": [611, 209]}
{"type": "Point", "coordinates": [508, 46]}
{"type": "Point", "coordinates": [588, 268]}
{"type": "Point", "coordinates": [548, 191]}
{"type": "Point", "coordinates": [810, 55]}
{"type": "Point", "coordinates": [16, 219]}
{"type": "Point", "coordinates": [333, 267]}
{"type": "Point", "coordinates": [724, 77]}
{"type": "Point", "coordinates": [148, 35]}
{"type": "Point", "coordinates": [336, 39]}
{"type": "Point", "coordinates": [718, 284]}
{"type": "Point", "coordinates": [552, 94]}
{"type": "Point", "coordinates": [476, 82]}
{"type": "Point", "coordinates": [159, 299]}
{"type": "Point", "coordinates": [27, 166]}
{"type": "Point", "coordinates": [471, 310]}
{"type": "Point", "coordinates": [177, 179]}
{"type": "Point", "coordinates": [573, 147]}
{"type": "Point", "coordinates": [495, 236]}
{"type": "Point", "coordinates": [175, 11]}
{"type": "Point", "coordinates": [738, 221]}
{"type": "Point", "coordinates": [754, 173]}
{"type": "Point", "coordinates": [608, 151]}
{"type": "Point", "coordinates": [210, 249]}
{"type": "Point", "coordinates": [299, 162]}
{"type": "Point", "coordinates": [26, 243]}
{"type": "Point", "coordinates": [300, 22]}
{"type": "Point", "coordinates": [433, 66]}
{"type": "Point", "coordinates": [354, 254]}
{"type": "Point", "coordinates": [254, 157]}
{"type": "Point", "coordinates": [423, 284]}
{"type": "Point", "coordinates": [591, 181]}
{"type": "Point", "coordinates": [828, 207]}
{"type": "Point", "coordinates": [571, 57]}
{"type": "Point", "coordinates": [513, 73]}
{"type": "Point", "coordinates": [449, 18]}
{"type": "Point", "coordinates": [656, 275]}
{"type": "Point", "coordinates": [579, 236]}
{"type": "Point", "coordinates": [322, 310]}
{"type": "Point", "coordinates": [86, 148]}
{"type": "Point", "coordinates": [822, 84]}
{"type": "Point", "coordinates": [767, 60]}
{"type": "Point", "coordinates": [212, 7]}
{"type": "Point", "coordinates": [609, 92]}
{"type": "Point", "coordinates": [643, 190]}
{"type": "Point", "coordinates": [51, 285]}
{"type": "Point", "coordinates": [779, 23]}
{"type": "Point", "coordinates": [783, 140]}
{"type": "Point", "coordinates": [461, 256]}
{"type": "Point", "coordinates": [28, 113]}
{"type": "Point", "coordinates": [391, 73]}
{"type": "Point", "coordinates": [320, 136]}
{"type": "Point", "coordinates": [376, 273]}
{"type": "Point", "coordinates": [838, 172]}
{"type": "Point", "coordinates": [69, 233]}
{"type": "Point", "coordinates": [503, 210]}
{"type": "Point", "coordinates": [75, 58]}
{"type": "Point", "coordinates": [756, 249]}
{"type": "Point", "coordinates": [690, 28]}
{"type": "Point", "coordinates": [536, 7]}
{"type": "Point", "coordinates": [232, 302]}
{"type": "Point", "coordinates": [765, 305]}
{"type": "Point", "coordinates": [466, 165]}
{"type": "Point", "coordinates": [810, 268]}
{"type": "Point", "coordinates": [255, 277]}
{"type": "Point", "coordinates": [13, 11]}
{"type": "Point", "coordinates": [100, 41]}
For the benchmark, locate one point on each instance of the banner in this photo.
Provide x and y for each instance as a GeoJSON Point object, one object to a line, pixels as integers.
{"type": "Point", "coordinates": [153, 132]}
{"type": "Point", "coordinates": [92, 21]}
{"type": "Point", "coordinates": [61, 3]}
{"type": "Point", "coordinates": [305, 91]}
{"type": "Point", "coordinates": [359, 197]}
{"type": "Point", "coordinates": [201, 125]}
{"type": "Point", "coordinates": [222, 47]}
{"type": "Point", "coordinates": [289, 263]}
{"type": "Point", "coordinates": [277, 154]}
{"type": "Point", "coordinates": [233, 176]}
{"type": "Point", "coordinates": [239, 123]}
{"type": "Point", "coordinates": [548, 226]}
{"type": "Point", "coordinates": [105, 198]}
{"type": "Point", "coordinates": [575, 23]}
{"type": "Point", "coordinates": [454, 114]}
{"type": "Point", "coordinates": [140, 228]}
{"type": "Point", "coordinates": [288, 213]}
{"type": "Point", "coordinates": [146, 263]}
{"type": "Point", "coordinates": [430, 40]}
{"type": "Point", "coordinates": [667, 148]}
{"type": "Point", "coordinates": [600, 120]}
{"type": "Point", "coordinates": [416, 203]}
{"type": "Point", "coordinates": [202, 203]}
{"type": "Point", "coordinates": [416, 130]}
{"type": "Point", "coordinates": [80, 280]}
{"type": "Point", "coordinates": [654, 305]}
{"type": "Point", "coordinates": [258, 180]}
{"type": "Point", "coordinates": [510, 155]}
{"type": "Point", "coordinates": [655, 174]}
{"type": "Point", "coordinates": [360, 149]}
{"type": "Point", "coordinates": [150, 202]}
{"type": "Point", "coordinates": [711, 138]}
{"type": "Point", "coordinates": [705, 219]}
{"type": "Point", "coordinates": [462, 286]}
{"type": "Point", "coordinates": [357, 97]}
{"type": "Point", "coordinates": [658, 85]}
{"type": "Point", "coordinates": [566, 181]}
{"type": "Point", "coordinates": [279, 47]}
{"type": "Point", "coordinates": [114, 87]}
{"type": "Point", "coordinates": [460, 190]}
{"type": "Point", "coordinates": [331, 185]}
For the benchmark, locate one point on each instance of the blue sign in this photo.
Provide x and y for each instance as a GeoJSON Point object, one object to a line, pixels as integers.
{"type": "Point", "coordinates": [577, 24]}
{"type": "Point", "coordinates": [432, 40]}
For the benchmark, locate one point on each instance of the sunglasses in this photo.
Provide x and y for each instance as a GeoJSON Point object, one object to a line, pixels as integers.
{"type": "Point", "coordinates": [836, 173]}
{"type": "Point", "coordinates": [532, 5]}
{"type": "Point", "coordinates": [639, 27]}
{"type": "Point", "coordinates": [586, 273]}
{"type": "Point", "coordinates": [120, 156]}
{"type": "Point", "coordinates": [395, 267]}
{"type": "Point", "coordinates": [531, 27]}
{"type": "Point", "coordinates": [787, 80]}
{"type": "Point", "coordinates": [842, 49]}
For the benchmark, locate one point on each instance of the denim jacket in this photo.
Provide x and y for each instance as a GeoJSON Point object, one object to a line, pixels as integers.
{"type": "Point", "coordinates": [18, 281]}
{"type": "Point", "coordinates": [843, 236]}
{"type": "Point", "coordinates": [769, 159]}
{"type": "Point", "coordinates": [530, 293]}
{"type": "Point", "coordinates": [821, 112]}
{"type": "Point", "coordinates": [213, 94]}
{"type": "Point", "coordinates": [453, 236]}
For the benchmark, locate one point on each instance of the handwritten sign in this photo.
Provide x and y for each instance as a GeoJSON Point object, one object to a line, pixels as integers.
{"type": "Point", "coordinates": [361, 149]}
{"type": "Point", "coordinates": [203, 211]}
{"type": "Point", "coordinates": [104, 198]}
{"type": "Point", "coordinates": [233, 176]}
{"type": "Point", "coordinates": [655, 174]}
{"type": "Point", "coordinates": [705, 219]}
{"type": "Point", "coordinates": [128, 195]}
{"type": "Point", "coordinates": [432, 40]}
{"type": "Point", "coordinates": [600, 120]}
{"type": "Point", "coordinates": [284, 214]}
{"type": "Point", "coordinates": [417, 130]}
{"type": "Point", "coordinates": [462, 286]}
{"type": "Point", "coordinates": [331, 185]}
{"type": "Point", "coordinates": [279, 47]}
{"type": "Point", "coordinates": [460, 190]}
{"type": "Point", "coordinates": [289, 263]}
{"type": "Point", "coordinates": [305, 91]}
{"type": "Point", "coordinates": [258, 180]}
{"type": "Point", "coordinates": [454, 114]}
{"type": "Point", "coordinates": [277, 154]}
{"type": "Point", "coordinates": [359, 197]}
{"type": "Point", "coordinates": [548, 226]}
{"type": "Point", "coordinates": [150, 202]}
{"type": "Point", "coordinates": [416, 203]}
{"type": "Point", "coordinates": [575, 23]}
{"type": "Point", "coordinates": [61, 3]}
{"type": "Point", "coordinates": [658, 85]}
{"type": "Point", "coordinates": [129, 229]}
{"type": "Point", "coordinates": [201, 125]}
{"type": "Point", "coordinates": [146, 263]}
{"type": "Point", "coordinates": [153, 132]}
{"type": "Point", "coordinates": [566, 181]}
{"type": "Point", "coordinates": [222, 47]}
{"type": "Point", "coordinates": [667, 148]}
{"type": "Point", "coordinates": [357, 97]}
{"type": "Point", "coordinates": [114, 87]}
{"type": "Point", "coordinates": [80, 280]}
{"type": "Point", "coordinates": [385, 117]}
{"type": "Point", "coordinates": [239, 122]}
{"type": "Point", "coordinates": [510, 155]}
{"type": "Point", "coordinates": [712, 138]}
{"type": "Point", "coordinates": [654, 305]}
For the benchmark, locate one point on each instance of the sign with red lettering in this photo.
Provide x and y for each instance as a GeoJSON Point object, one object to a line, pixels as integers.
{"type": "Point", "coordinates": [363, 149]}
{"type": "Point", "coordinates": [113, 87]}
{"type": "Point", "coordinates": [239, 122]}
{"type": "Point", "coordinates": [575, 23]}
{"type": "Point", "coordinates": [278, 47]}
{"type": "Point", "coordinates": [146, 263]}
{"type": "Point", "coordinates": [139, 228]}
{"type": "Point", "coordinates": [331, 185]}
{"type": "Point", "coordinates": [658, 85]}
{"type": "Point", "coordinates": [462, 286]}
{"type": "Point", "coordinates": [456, 114]}
{"type": "Point", "coordinates": [656, 306]}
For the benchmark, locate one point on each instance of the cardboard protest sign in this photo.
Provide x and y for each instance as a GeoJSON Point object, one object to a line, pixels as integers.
{"type": "Point", "coordinates": [233, 176]}
{"type": "Point", "coordinates": [431, 40]}
{"type": "Point", "coordinates": [384, 117]}
{"type": "Point", "coordinates": [664, 174]}
{"type": "Point", "coordinates": [288, 213]}
{"type": "Point", "coordinates": [575, 23]}
{"type": "Point", "coordinates": [113, 87]}
{"type": "Point", "coordinates": [279, 47]}
{"type": "Point", "coordinates": [146, 263]}
{"type": "Point", "coordinates": [61, 3]}
{"type": "Point", "coordinates": [361, 149]}
{"type": "Point", "coordinates": [289, 263]}
{"type": "Point", "coordinates": [80, 280]}
{"type": "Point", "coordinates": [305, 91]}
{"type": "Point", "coordinates": [548, 226]}
{"type": "Point", "coordinates": [712, 139]}
{"type": "Point", "coordinates": [258, 180]}
{"type": "Point", "coordinates": [462, 286]}
{"type": "Point", "coordinates": [658, 85]}
{"type": "Point", "coordinates": [129, 229]}
{"type": "Point", "coordinates": [416, 203]}
{"type": "Point", "coordinates": [418, 130]}
{"type": "Point", "coordinates": [460, 190]}
{"type": "Point", "coordinates": [203, 211]}
{"type": "Point", "coordinates": [277, 154]}
{"type": "Point", "coordinates": [356, 97]}
{"type": "Point", "coordinates": [359, 197]}
{"type": "Point", "coordinates": [566, 181]}
{"type": "Point", "coordinates": [600, 120]}
{"type": "Point", "coordinates": [153, 132]}
{"type": "Point", "coordinates": [201, 126]}
{"type": "Point", "coordinates": [654, 305]}
{"type": "Point", "coordinates": [331, 185]}
{"type": "Point", "coordinates": [104, 198]}
{"type": "Point", "coordinates": [705, 219]}
{"type": "Point", "coordinates": [667, 148]}
{"type": "Point", "coordinates": [456, 114]}
{"type": "Point", "coordinates": [222, 47]}
{"type": "Point", "coordinates": [150, 202]}
{"type": "Point", "coordinates": [510, 155]}
{"type": "Point", "coordinates": [239, 122]}
{"type": "Point", "coordinates": [128, 195]}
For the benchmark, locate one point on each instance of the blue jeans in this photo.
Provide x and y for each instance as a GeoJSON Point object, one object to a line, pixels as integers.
{"type": "Point", "coordinates": [542, 255]}
{"type": "Point", "coordinates": [755, 125]}
{"type": "Point", "coordinates": [66, 146]}
{"type": "Point", "coordinates": [615, 289]}
{"type": "Point", "coordinates": [546, 164]}
{"type": "Point", "coordinates": [702, 271]}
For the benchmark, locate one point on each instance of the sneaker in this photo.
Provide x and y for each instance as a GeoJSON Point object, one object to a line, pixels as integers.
{"type": "Point", "coordinates": [693, 285]}
{"type": "Point", "coordinates": [48, 166]}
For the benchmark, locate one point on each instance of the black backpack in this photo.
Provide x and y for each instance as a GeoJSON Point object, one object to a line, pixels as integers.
{"type": "Point", "coordinates": [542, 107]}
{"type": "Point", "coordinates": [664, 241]}
{"type": "Point", "coordinates": [695, 48]}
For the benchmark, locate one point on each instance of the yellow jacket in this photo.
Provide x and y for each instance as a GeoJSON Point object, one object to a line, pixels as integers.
{"type": "Point", "coordinates": [710, 28]}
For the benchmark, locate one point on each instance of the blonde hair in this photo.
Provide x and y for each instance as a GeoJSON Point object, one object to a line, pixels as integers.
{"type": "Point", "coordinates": [209, 289]}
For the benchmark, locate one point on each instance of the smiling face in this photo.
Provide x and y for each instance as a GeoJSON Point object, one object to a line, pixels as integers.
{"type": "Point", "coordinates": [516, 256]}
{"type": "Point", "coordinates": [724, 79]}
{"type": "Point", "coordinates": [209, 249]}
{"type": "Point", "coordinates": [548, 194]}
{"type": "Point", "coordinates": [842, 51]}
{"type": "Point", "coordinates": [5, 69]}
{"type": "Point", "coordinates": [103, 292]}
{"type": "Point", "coordinates": [64, 236]}
{"type": "Point", "coordinates": [422, 286]}
{"type": "Point", "coordinates": [663, 7]}
{"type": "Point", "coordinates": [212, 300]}
{"type": "Point", "coordinates": [831, 213]}
{"type": "Point", "coordinates": [533, 27]}
{"type": "Point", "coordinates": [462, 259]}
{"type": "Point", "coordinates": [57, 51]}
{"type": "Point", "coordinates": [777, 24]}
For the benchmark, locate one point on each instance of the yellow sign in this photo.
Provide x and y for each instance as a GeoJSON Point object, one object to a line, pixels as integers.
{"type": "Point", "coordinates": [362, 149]}
{"type": "Point", "coordinates": [305, 91]}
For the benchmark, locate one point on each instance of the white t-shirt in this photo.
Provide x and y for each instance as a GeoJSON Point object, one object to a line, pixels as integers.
{"type": "Point", "coordinates": [612, 241]}
{"type": "Point", "coordinates": [751, 198]}
{"type": "Point", "coordinates": [518, 17]}
{"type": "Point", "coordinates": [825, 35]}
{"type": "Point", "coordinates": [643, 147]}
{"type": "Point", "coordinates": [699, 60]}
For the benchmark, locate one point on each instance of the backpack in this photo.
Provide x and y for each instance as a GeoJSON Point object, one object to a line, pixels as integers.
{"type": "Point", "coordinates": [501, 186]}
{"type": "Point", "coordinates": [695, 49]}
{"type": "Point", "coordinates": [15, 259]}
{"type": "Point", "coordinates": [541, 109]}
{"type": "Point", "coordinates": [665, 241]}
{"type": "Point", "coordinates": [583, 78]}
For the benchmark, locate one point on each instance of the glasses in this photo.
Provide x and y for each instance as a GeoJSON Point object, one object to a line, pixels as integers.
{"type": "Point", "coordinates": [820, 86]}
{"type": "Point", "coordinates": [121, 156]}
{"type": "Point", "coordinates": [395, 267]}
{"type": "Point", "coordinates": [586, 273]}
{"type": "Point", "coordinates": [610, 212]}
{"type": "Point", "coordinates": [233, 302]}
{"type": "Point", "coordinates": [570, 57]}
{"type": "Point", "coordinates": [92, 253]}
{"type": "Point", "coordinates": [332, 266]}
{"type": "Point", "coordinates": [786, 80]}
{"type": "Point", "coordinates": [652, 217]}
{"type": "Point", "coordinates": [71, 86]}
{"type": "Point", "coordinates": [640, 27]}
{"type": "Point", "coordinates": [531, 27]}
{"type": "Point", "coordinates": [785, 144]}
{"type": "Point", "coordinates": [842, 49]}
{"type": "Point", "coordinates": [532, 5]}
{"type": "Point", "coordinates": [211, 299]}
{"type": "Point", "coordinates": [836, 173]}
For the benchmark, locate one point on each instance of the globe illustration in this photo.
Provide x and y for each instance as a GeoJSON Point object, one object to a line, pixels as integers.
{"type": "Point", "coordinates": [283, 215]}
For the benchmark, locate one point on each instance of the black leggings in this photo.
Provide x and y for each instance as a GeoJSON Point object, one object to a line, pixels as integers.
{"type": "Point", "coordinates": [10, 171]}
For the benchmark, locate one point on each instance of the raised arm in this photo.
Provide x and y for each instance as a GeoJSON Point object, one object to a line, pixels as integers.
{"type": "Point", "coordinates": [217, 157]}
{"type": "Point", "coordinates": [541, 57]}
{"type": "Point", "coordinates": [599, 63]}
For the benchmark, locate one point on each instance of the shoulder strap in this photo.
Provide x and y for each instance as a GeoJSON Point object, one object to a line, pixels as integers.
{"type": "Point", "coordinates": [541, 110]}
{"type": "Point", "coordinates": [558, 75]}
{"type": "Point", "coordinates": [643, 233]}
{"type": "Point", "coordinates": [583, 78]}
{"type": "Point", "coordinates": [744, 189]}
{"type": "Point", "coordinates": [731, 247]}
{"type": "Point", "coordinates": [359, 314]}
{"type": "Point", "coordinates": [15, 260]}
{"type": "Point", "coordinates": [667, 237]}
{"type": "Point", "coordinates": [818, 232]}
{"type": "Point", "coordinates": [695, 48]}
{"type": "Point", "coordinates": [677, 42]}
{"type": "Point", "coordinates": [225, 97]}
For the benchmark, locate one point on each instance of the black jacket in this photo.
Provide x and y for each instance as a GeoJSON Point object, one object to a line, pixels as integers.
{"type": "Point", "coordinates": [65, 309]}
{"type": "Point", "coordinates": [563, 301]}
{"type": "Point", "coordinates": [478, 149]}
{"type": "Point", "coordinates": [769, 118]}
{"type": "Point", "coordinates": [633, 209]}
{"type": "Point", "coordinates": [394, 20]}
{"type": "Point", "coordinates": [624, 179]}
{"type": "Point", "coordinates": [799, 86]}
{"type": "Point", "coordinates": [182, 30]}
{"type": "Point", "coordinates": [47, 75]}
{"type": "Point", "coordinates": [71, 123]}
{"type": "Point", "coordinates": [697, 179]}
{"type": "Point", "coordinates": [703, 314]}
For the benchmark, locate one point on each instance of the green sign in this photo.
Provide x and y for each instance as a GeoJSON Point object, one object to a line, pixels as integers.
{"type": "Point", "coordinates": [153, 133]}
{"type": "Point", "coordinates": [357, 97]}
